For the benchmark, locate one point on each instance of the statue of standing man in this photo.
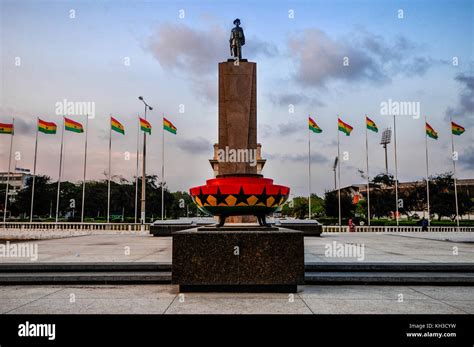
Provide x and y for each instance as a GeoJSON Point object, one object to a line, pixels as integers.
{"type": "Point", "coordinates": [237, 40]}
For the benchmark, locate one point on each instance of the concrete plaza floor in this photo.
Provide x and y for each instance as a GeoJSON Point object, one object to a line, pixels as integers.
{"type": "Point", "coordinates": [311, 299]}
{"type": "Point", "coordinates": [165, 299]}
{"type": "Point", "coordinates": [378, 247]}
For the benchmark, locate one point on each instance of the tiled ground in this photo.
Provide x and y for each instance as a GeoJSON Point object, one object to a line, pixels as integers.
{"type": "Point", "coordinates": [165, 299]}
{"type": "Point", "coordinates": [378, 247]}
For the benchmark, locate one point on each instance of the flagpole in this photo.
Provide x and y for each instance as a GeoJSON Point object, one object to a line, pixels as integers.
{"type": "Point", "coordinates": [162, 167]}
{"type": "Point", "coordinates": [8, 175]}
{"type": "Point", "coordinates": [309, 173]}
{"type": "Point", "coordinates": [454, 175]}
{"type": "Point", "coordinates": [34, 173]}
{"type": "Point", "coordinates": [136, 176]}
{"type": "Point", "coordinates": [396, 168]}
{"type": "Point", "coordinates": [60, 171]}
{"type": "Point", "coordinates": [339, 173]}
{"type": "Point", "coordinates": [427, 174]}
{"type": "Point", "coordinates": [143, 199]}
{"type": "Point", "coordinates": [367, 161]}
{"type": "Point", "coordinates": [85, 170]}
{"type": "Point", "coordinates": [110, 173]}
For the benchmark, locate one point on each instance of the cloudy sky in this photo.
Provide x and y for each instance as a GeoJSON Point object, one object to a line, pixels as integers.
{"type": "Point", "coordinates": [110, 52]}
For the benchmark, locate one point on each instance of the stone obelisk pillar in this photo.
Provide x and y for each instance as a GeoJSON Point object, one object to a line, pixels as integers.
{"type": "Point", "coordinates": [237, 118]}
{"type": "Point", "coordinates": [237, 113]}
{"type": "Point", "coordinates": [237, 122]}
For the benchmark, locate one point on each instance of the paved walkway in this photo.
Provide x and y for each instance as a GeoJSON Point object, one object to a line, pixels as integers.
{"type": "Point", "coordinates": [378, 247]}
{"type": "Point", "coordinates": [165, 299]}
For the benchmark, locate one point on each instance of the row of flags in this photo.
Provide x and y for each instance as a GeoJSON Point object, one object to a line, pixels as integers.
{"type": "Point", "coordinates": [345, 128]}
{"type": "Point", "coordinates": [115, 125]}
{"type": "Point", "coordinates": [50, 128]}
{"type": "Point", "coordinates": [145, 126]}
{"type": "Point", "coordinates": [456, 129]}
{"type": "Point", "coordinates": [71, 125]}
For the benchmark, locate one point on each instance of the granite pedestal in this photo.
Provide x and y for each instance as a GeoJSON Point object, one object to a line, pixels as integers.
{"type": "Point", "coordinates": [308, 227]}
{"type": "Point", "coordinates": [251, 259]}
{"type": "Point", "coordinates": [165, 228]}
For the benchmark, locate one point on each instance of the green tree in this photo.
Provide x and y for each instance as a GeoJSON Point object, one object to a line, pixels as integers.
{"type": "Point", "coordinates": [317, 206]}
{"type": "Point", "coordinates": [287, 209]}
{"type": "Point", "coordinates": [182, 205]}
{"type": "Point", "coordinates": [382, 195]}
{"type": "Point", "coordinates": [331, 200]}
{"type": "Point", "coordinates": [300, 207]}
{"type": "Point", "coordinates": [360, 209]}
{"type": "Point", "coordinates": [442, 198]}
{"type": "Point", "coordinates": [45, 197]}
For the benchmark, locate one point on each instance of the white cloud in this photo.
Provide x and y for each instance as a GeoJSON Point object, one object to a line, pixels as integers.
{"type": "Point", "coordinates": [362, 56]}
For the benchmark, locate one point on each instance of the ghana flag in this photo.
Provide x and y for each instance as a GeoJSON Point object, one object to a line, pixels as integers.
{"type": "Point", "coordinates": [344, 127]}
{"type": "Point", "coordinates": [6, 128]}
{"type": "Point", "coordinates": [167, 125]}
{"type": "Point", "coordinates": [46, 127]}
{"type": "Point", "coordinates": [73, 126]}
{"type": "Point", "coordinates": [430, 132]}
{"type": "Point", "coordinates": [145, 126]}
{"type": "Point", "coordinates": [313, 126]}
{"type": "Point", "coordinates": [117, 126]}
{"type": "Point", "coordinates": [456, 129]}
{"type": "Point", "coordinates": [371, 124]}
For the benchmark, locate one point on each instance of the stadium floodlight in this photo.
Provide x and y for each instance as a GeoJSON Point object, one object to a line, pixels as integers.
{"type": "Point", "coordinates": [336, 160]}
{"type": "Point", "coordinates": [386, 138]}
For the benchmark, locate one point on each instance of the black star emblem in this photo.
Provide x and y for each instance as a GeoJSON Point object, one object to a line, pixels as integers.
{"type": "Point", "coordinates": [263, 197]}
{"type": "Point", "coordinates": [220, 198]}
{"type": "Point", "coordinates": [241, 197]}
{"type": "Point", "coordinates": [203, 197]}
{"type": "Point", "coordinates": [277, 198]}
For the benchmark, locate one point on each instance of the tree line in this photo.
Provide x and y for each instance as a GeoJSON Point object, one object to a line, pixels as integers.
{"type": "Point", "coordinates": [382, 200]}
{"type": "Point", "coordinates": [122, 200]}
{"type": "Point", "coordinates": [179, 204]}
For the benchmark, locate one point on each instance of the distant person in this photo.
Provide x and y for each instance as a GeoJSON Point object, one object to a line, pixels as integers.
{"type": "Point", "coordinates": [352, 226]}
{"type": "Point", "coordinates": [424, 224]}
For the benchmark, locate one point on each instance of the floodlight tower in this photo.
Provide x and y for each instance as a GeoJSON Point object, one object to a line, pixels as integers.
{"type": "Point", "coordinates": [386, 138]}
{"type": "Point", "coordinates": [334, 167]}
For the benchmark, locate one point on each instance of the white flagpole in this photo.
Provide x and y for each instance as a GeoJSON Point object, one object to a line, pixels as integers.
{"type": "Point", "coordinates": [60, 171]}
{"type": "Point", "coordinates": [162, 168]}
{"type": "Point", "coordinates": [427, 175]}
{"type": "Point", "coordinates": [85, 170]}
{"type": "Point", "coordinates": [136, 175]}
{"type": "Point", "coordinates": [34, 173]}
{"type": "Point", "coordinates": [309, 173]}
{"type": "Point", "coordinates": [454, 176]}
{"type": "Point", "coordinates": [110, 173]}
{"type": "Point", "coordinates": [367, 160]}
{"type": "Point", "coordinates": [339, 173]}
{"type": "Point", "coordinates": [396, 168]}
{"type": "Point", "coordinates": [8, 175]}
{"type": "Point", "coordinates": [143, 198]}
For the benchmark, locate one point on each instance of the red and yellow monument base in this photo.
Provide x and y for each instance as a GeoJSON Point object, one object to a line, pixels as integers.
{"type": "Point", "coordinates": [238, 257]}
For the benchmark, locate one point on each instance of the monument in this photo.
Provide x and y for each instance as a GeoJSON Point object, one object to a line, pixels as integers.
{"type": "Point", "coordinates": [243, 256]}
{"type": "Point", "coordinates": [238, 193]}
{"type": "Point", "coordinates": [237, 40]}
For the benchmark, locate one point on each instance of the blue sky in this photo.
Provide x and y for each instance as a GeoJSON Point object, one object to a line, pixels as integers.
{"type": "Point", "coordinates": [173, 61]}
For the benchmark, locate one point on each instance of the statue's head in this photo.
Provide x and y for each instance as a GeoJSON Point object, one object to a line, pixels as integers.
{"type": "Point", "coordinates": [237, 22]}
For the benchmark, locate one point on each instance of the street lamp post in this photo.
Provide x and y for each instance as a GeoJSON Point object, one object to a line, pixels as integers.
{"type": "Point", "coordinates": [144, 165]}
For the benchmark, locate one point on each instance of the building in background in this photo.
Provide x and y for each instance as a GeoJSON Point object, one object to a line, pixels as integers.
{"type": "Point", "coordinates": [359, 191]}
{"type": "Point", "coordinates": [17, 179]}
